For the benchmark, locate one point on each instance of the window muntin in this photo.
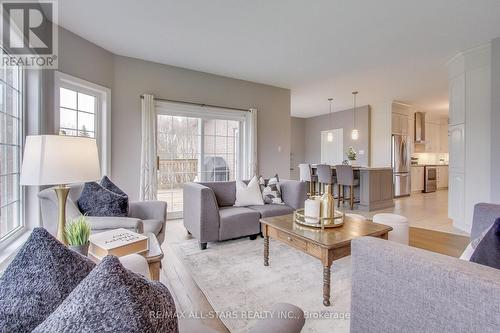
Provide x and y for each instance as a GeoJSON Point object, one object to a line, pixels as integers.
{"type": "Point", "coordinates": [77, 113]}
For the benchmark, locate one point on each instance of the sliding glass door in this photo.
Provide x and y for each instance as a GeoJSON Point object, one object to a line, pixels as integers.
{"type": "Point", "coordinates": [196, 148]}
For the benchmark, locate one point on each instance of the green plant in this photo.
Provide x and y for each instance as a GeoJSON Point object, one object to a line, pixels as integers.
{"type": "Point", "coordinates": [351, 154]}
{"type": "Point", "coordinates": [78, 231]}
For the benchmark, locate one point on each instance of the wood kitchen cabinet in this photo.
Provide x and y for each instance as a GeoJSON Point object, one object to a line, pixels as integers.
{"type": "Point", "coordinates": [417, 178]}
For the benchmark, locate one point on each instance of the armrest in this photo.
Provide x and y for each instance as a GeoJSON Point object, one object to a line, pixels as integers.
{"type": "Point", "coordinates": [103, 223]}
{"type": "Point", "coordinates": [485, 215]}
{"type": "Point", "coordinates": [282, 318]}
{"type": "Point", "coordinates": [148, 210]}
{"type": "Point", "coordinates": [293, 193]}
{"type": "Point", "coordinates": [397, 288]}
{"type": "Point", "coordinates": [201, 212]}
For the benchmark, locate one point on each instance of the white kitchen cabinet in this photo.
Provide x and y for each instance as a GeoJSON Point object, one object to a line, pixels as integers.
{"type": "Point", "coordinates": [432, 138]}
{"type": "Point", "coordinates": [401, 124]}
{"type": "Point", "coordinates": [457, 100]}
{"type": "Point", "coordinates": [417, 178]}
{"type": "Point", "coordinates": [442, 177]}
{"type": "Point", "coordinates": [456, 197]}
{"type": "Point", "coordinates": [457, 148]}
{"type": "Point", "coordinates": [443, 138]}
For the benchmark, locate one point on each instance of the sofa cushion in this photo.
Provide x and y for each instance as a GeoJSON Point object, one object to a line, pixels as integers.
{"type": "Point", "coordinates": [114, 299]}
{"type": "Point", "coordinates": [487, 252]}
{"type": "Point", "coordinates": [153, 226]}
{"type": "Point", "coordinates": [237, 222]}
{"type": "Point", "coordinates": [41, 276]}
{"type": "Point", "coordinates": [272, 210]}
{"type": "Point", "coordinates": [225, 192]}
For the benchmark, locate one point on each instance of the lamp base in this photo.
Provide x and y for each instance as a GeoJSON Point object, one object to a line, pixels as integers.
{"type": "Point", "coordinates": [62, 192]}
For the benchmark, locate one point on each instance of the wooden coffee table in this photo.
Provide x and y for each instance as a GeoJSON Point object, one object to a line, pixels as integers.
{"type": "Point", "coordinates": [326, 245]}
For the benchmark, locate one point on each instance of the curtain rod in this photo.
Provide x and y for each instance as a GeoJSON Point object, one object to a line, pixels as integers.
{"type": "Point", "coordinates": [197, 104]}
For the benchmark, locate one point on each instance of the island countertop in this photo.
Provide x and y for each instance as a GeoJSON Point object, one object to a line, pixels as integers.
{"type": "Point", "coordinates": [376, 190]}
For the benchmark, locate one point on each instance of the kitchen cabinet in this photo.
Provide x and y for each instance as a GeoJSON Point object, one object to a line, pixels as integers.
{"type": "Point", "coordinates": [457, 149]}
{"type": "Point", "coordinates": [443, 138]}
{"type": "Point", "coordinates": [457, 100]}
{"type": "Point", "coordinates": [442, 177]}
{"type": "Point", "coordinates": [456, 197]}
{"type": "Point", "coordinates": [432, 138]}
{"type": "Point", "coordinates": [417, 178]}
{"type": "Point", "coordinates": [401, 124]}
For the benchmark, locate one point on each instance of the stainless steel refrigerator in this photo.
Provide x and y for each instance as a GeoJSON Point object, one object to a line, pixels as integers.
{"type": "Point", "coordinates": [401, 165]}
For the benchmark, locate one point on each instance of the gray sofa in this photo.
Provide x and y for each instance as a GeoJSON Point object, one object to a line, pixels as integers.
{"type": "Point", "coordinates": [209, 214]}
{"type": "Point", "coordinates": [396, 288]}
{"type": "Point", "coordinates": [143, 216]}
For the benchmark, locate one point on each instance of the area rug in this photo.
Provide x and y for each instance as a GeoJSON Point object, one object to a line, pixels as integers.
{"type": "Point", "coordinates": [240, 288]}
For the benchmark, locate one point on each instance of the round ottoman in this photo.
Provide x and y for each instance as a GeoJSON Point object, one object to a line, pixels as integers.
{"type": "Point", "coordinates": [399, 225]}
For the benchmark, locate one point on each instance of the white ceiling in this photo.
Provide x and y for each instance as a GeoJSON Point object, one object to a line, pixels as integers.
{"type": "Point", "coordinates": [386, 49]}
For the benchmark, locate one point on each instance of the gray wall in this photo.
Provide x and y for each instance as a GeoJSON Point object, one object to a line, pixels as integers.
{"type": "Point", "coordinates": [134, 77]}
{"type": "Point", "coordinates": [298, 149]}
{"type": "Point", "coordinates": [342, 119]}
{"type": "Point", "coordinates": [495, 120]}
{"type": "Point", "coordinates": [128, 78]}
{"type": "Point", "coordinates": [80, 58]}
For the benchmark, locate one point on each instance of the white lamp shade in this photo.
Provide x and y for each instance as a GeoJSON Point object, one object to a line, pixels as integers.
{"type": "Point", "coordinates": [57, 159]}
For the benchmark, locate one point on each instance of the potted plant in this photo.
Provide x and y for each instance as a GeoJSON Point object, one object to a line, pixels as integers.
{"type": "Point", "coordinates": [351, 154]}
{"type": "Point", "coordinates": [77, 235]}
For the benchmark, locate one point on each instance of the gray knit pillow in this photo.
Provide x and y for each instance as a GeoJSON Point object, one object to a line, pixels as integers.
{"type": "Point", "coordinates": [104, 199]}
{"type": "Point", "coordinates": [39, 278]}
{"type": "Point", "coordinates": [114, 299]}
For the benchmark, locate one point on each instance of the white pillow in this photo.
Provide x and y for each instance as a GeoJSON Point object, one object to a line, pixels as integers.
{"type": "Point", "coordinates": [248, 195]}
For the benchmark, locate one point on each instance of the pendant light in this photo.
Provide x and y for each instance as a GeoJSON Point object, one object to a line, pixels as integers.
{"type": "Point", "coordinates": [355, 132]}
{"type": "Point", "coordinates": [329, 136]}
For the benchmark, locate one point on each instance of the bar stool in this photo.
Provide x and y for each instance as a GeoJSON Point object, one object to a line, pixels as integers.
{"type": "Point", "coordinates": [306, 175]}
{"type": "Point", "coordinates": [345, 177]}
{"type": "Point", "coordinates": [325, 175]}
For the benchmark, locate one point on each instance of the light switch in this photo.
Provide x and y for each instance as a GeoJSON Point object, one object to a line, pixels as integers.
{"type": "Point", "coordinates": [279, 149]}
{"type": "Point", "coordinates": [361, 152]}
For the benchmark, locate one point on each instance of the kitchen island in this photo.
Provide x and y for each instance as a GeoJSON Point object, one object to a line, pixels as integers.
{"type": "Point", "coordinates": [376, 190]}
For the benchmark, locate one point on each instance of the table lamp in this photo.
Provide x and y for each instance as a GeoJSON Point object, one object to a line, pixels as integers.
{"type": "Point", "coordinates": [59, 160]}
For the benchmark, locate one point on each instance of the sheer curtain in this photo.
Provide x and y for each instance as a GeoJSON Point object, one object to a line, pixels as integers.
{"type": "Point", "coordinates": [253, 152]}
{"type": "Point", "coordinates": [148, 182]}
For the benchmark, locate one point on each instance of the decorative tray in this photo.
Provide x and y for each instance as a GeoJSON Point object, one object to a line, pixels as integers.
{"type": "Point", "coordinates": [322, 222]}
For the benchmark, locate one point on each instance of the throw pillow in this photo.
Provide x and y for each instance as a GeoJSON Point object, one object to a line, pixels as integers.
{"type": "Point", "coordinates": [487, 251]}
{"type": "Point", "coordinates": [114, 299]}
{"type": "Point", "coordinates": [36, 282]}
{"type": "Point", "coordinates": [248, 195]}
{"type": "Point", "coordinates": [469, 250]}
{"type": "Point", "coordinates": [104, 199]}
{"type": "Point", "coordinates": [271, 191]}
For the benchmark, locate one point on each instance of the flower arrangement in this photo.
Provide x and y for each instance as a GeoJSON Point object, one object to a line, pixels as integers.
{"type": "Point", "coordinates": [351, 154]}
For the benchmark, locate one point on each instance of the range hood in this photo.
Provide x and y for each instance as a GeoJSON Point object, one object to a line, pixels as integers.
{"type": "Point", "coordinates": [420, 127]}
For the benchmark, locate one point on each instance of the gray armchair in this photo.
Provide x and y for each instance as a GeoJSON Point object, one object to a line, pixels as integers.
{"type": "Point", "coordinates": [143, 216]}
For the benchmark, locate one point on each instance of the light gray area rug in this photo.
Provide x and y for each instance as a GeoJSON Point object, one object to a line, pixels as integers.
{"type": "Point", "coordinates": [235, 281]}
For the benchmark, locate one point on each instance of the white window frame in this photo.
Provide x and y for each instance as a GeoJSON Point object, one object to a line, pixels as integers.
{"type": "Point", "coordinates": [102, 113]}
{"type": "Point", "coordinates": [11, 241]}
{"type": "Point", "coordinates": [208, 112]}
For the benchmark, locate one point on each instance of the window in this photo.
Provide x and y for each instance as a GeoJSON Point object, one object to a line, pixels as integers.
{"type": "Point", "coordinates": [77, 113]}
{"type": "Point", "coordinates": [11, 140]}
{"type": "Point", "coordinates": [84, 110]}
{"type": "Point", "coordinates": [198, 144]}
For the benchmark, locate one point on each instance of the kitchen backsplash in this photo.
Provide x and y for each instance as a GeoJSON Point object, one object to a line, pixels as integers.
{"type": "Point", "coordinates": [431, 158]}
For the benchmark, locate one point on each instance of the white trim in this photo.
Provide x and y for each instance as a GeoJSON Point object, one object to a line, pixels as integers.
{"type": "Point", "coordinates": [103, 112]}
{"type": "Point", "coordinates": [207, 112]}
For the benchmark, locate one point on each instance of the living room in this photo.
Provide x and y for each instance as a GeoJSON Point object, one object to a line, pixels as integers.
{"type": "Point", "coordinates": [234, 166]}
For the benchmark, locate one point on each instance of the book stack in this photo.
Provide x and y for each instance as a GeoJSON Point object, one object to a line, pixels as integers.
{"type": "Point", "coordinates": [117, 242]}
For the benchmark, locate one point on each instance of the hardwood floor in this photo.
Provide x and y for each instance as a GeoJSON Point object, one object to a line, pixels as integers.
{"type": "Point", "coordinates": [190, 299]}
